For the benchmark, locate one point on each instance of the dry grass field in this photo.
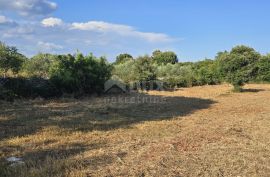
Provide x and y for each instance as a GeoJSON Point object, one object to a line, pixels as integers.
{"type": "Point", "coordinates": [199, 131]}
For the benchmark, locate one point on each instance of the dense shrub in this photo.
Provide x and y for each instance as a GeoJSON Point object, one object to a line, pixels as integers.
{"type": "Point", "coordinates": [144, 69]}
{"type": "Point", "coordinates": [39, 65]}
{"type": "Point", "coordinates": [10, 59]}
{"type": "Point", "coordinates": [29, 88]}
{"type": "Point", "coordinates": [173, 74]}
{"type": "Point", "coordinates": [6, 95]}
{"type": "Point", "coordinates": [80, 74]}
{"type": "Point", "coordinates": [47, 75]}
{"type": "Point", "coordinates": [125, 71]}
{"type": "Point", "coordinates": [68, 74]}
{"type": "Point", "coordinates": [122, 58]}
{"type": "Point", "coordinates": [206, 73]}
{"type": "Point", "coordinates": [263, 69]}
{"type": "Point", "coordinates": [167, 57]}
{"type": "Point", "coordinates": [237, 66]}
{"type": "Point", "coordinates": [176, 75]}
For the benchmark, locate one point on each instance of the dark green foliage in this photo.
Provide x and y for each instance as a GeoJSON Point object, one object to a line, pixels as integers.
{"type": "Point", "coordinates": [206, 73]}
{"type": "Point", "coordinates": [29, 88]}
{"type": "Point", "coordinates": [176, 75]}
{"type": "Point", "coordinates": [189, 74]}
{"type": "Point", "coordinates": [10, 59]}
{"type": "Point", "coordinates": [125, 71]}
{"type": "Point", "coordinates": [47, 75]}
{"type": "Point", "coordinates": [237, 66]}
{"type": "Point", "coordinates": [144, 69]}
{"type": "Point", "coordinates": [69, 74]}
{"type": "Point", "coordinates": [263, 69]}
{"type": "Point", "coordinates": [122, 58]}
{"type": "Point", "coordinates": [80, 74]}
{"type": "Point", "coordinates": [6, 95]}
{"type": "Point", "coordinates": [39, 65]}
{"type": "Point", "coordinates": [164, 57]}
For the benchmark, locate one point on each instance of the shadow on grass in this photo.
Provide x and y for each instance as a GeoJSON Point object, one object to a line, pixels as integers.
{"type": "Point", "coordinates": [60, 152]}
{"type": "Point", "coordinates": [56, 161]}
{"type": "Point", "coordinates": [27, 118]}
{"type": "Point", "coordinates": [103, 114]}
{"type": "Point", "coordinates": [252, 90]}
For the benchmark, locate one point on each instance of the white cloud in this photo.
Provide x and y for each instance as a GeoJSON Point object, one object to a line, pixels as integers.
{"type": "Point", "coordinates": [18, 31]}
{"type": "Point", "coordinates": [6, 21]}
{"type": "Point", "coordinates": [51, 22]}
{"type": "Point", "coordinates": [49, 47]}
{"type": "Point", "coordinates": [124, 30]}
{"type": "Point", "coordinates": [3, 19]}
{"type": "Point", "coordinates": [101, 38]}
{"type": "Point", "coordinates": [101, 26]}
{"type": "Point", "coordinates": [28, 7]}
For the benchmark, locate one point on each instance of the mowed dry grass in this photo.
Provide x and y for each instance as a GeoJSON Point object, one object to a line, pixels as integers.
{"type": "Point", "coordinates": [199, 131]}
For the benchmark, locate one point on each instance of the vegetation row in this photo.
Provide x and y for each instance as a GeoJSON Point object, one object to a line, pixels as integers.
{"type": "Point", "coordinates": [50, 75]}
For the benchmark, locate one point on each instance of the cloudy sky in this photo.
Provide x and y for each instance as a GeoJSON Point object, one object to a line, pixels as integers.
{"type": "Point", "coordinates": [194, 29]}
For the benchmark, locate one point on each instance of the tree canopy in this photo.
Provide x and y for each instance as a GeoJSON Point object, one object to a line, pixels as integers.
{"type": "Point", "coordinates": [10, 59]}
{"type": "Point", "coordinates": [122, 58]}
{"type": "Point", "coordinates": [48, 74]}
{"type": "Point", "coordinates": [82, 74]}
{"type": "Point", "coordinates": [237, 66]}
{"type": "Point", "coordinates": [164, 57]}
{"type": "Point", "coordinates": [39, 65]}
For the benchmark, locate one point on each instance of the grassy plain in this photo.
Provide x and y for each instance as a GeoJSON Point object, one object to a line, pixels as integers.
{"type": "Point", "coordinates": [199, 131]}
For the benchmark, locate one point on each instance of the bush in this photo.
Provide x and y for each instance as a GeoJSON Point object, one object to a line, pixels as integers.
{"type": "Point", "coordinates": [176, 75]}
{"type": "Point", "coordinates": [48, 75]}
{"type": "Point", "coordinates": [39, 65]}
{"type": "Point", "coordinates": [263, 69]}
{"type": "Point", "coordinates": [237, 66]}
{"type": "Point", "coordinates": [125, 71]}
{"type": "Point", "coordinates": [6, 95]}
{"type": "Point", "coordinates": [10, 59]}
{"type": "Point", "coordinates": [80, 74]}
{"type": "Point", "coordinates": [122, 58]}
{"type": "Point", "coordinates": [206, 73]}
{"type": "Point", "coordinates": [29, 88]}
{"type": "Point", "coordinates": [167, 57]}
{"type": "Point", "coordinates": [144, 69]}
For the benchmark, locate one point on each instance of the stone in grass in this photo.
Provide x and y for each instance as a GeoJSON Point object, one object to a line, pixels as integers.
{"type": "Point", "coordinates": [15, 161]}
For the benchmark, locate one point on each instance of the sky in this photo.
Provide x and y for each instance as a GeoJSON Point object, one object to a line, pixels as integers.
{"type": "Point", "coordinates": [194, 29]}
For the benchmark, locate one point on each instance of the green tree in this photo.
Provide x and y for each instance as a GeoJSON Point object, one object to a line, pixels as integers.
{"type": "Point", "coordinates": [237, 66]}
{"type": "Point", "coordinates": [80, 74]}
{"type": "Point", "coordinates": [176, 75]}
{"type": "Point", "coordinates": [40, 65]}
{"type": "Point", "coordinates": [156, 53]}
{"type": "Point", "coordinates": [122, 58]}
{"type": "Point", "coordinates": [206, 72]}
{"type": "Point", "coordinates": [125, 71]}
{"type": "Point", "coordinates": [263, 69]}
{"type": "Point", "coordinates": [10, 59]}
{"type": "Point", "coordinates": [144, 69]}
{"type": "Point", "coordinates": [164, 57]}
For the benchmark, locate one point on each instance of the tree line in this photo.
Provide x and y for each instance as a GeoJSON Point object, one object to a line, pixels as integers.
{"type": "Point", "coordinates": [241, 65]}
{"type": "Point", "coordinates": [48, 75]}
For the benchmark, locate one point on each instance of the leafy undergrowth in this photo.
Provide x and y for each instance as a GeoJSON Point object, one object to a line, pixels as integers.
{"type": "Point", "coordinates": [200, 131]}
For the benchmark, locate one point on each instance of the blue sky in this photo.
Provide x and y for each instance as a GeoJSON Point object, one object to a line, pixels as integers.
{"type": "Point", "coordinates": [194, 29]}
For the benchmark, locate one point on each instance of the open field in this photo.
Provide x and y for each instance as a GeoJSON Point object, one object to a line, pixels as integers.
{"type": "Point", "coordinates": [199, 131]}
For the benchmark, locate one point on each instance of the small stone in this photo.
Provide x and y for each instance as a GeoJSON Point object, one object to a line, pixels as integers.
{"type": "Point", "coordinates": [17, 163]}
{"type": "Point", "coordinates": [14, 159]}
